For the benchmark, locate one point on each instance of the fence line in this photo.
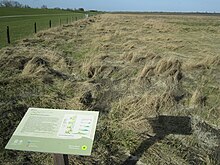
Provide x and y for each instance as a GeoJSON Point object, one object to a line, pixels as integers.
{"type": "Point", "coordinates": [35, 27]}
{"type": "Point", "coordinates": [50, 24]}
{"type": "Point", "coordinates": [8, 35]}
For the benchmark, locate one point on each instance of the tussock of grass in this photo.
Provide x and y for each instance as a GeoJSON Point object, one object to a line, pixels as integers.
{"type": "Point", "coordinates": [147, 71]}
{"type": "Point", "coordinates": [198, 99]}
{"type": "Point", "coordinates": [206, 63]}
{"type": "Point", "coordinates": [170, 65]}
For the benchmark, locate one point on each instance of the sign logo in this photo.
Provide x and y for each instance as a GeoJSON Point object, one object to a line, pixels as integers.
{"type": "Point", "coordinates": [84, 147]}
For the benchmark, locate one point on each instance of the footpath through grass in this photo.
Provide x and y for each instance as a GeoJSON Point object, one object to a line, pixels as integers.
{"type": "Point", "coordinates": [23, 26]}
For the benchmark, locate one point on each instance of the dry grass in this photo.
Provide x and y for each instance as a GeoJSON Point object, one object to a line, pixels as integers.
{"type": "Point", "coordinates": [205, 63]}
{"type": "Point", "coordinates": [135, 67]}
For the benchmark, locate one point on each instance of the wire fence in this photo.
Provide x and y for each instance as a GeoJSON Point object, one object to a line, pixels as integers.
{"type": "Point", "coordinates": [16, 29]}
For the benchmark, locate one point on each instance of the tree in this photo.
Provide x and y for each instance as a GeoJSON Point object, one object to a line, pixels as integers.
{"type": "Point", "coordinates": [26, 6]}
{"type": "Point", "coordinates": [44, 7]}
{"type": "Point", "coordinates": [9, 3]}
{"type": "Point", "coordinates": [81, 9]}
{"type": "Point", "coordinates": [57, 8]}
{"type": "Point", "coordinates": [16, 4]}
{"type": "Point", "coordinates": [93, 11]}
{"type": "Point", "coordinates": [68, 9]}
{"type": "Point", "coordinates": [6, 3]}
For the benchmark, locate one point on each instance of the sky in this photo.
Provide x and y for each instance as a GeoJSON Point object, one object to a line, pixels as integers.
{"type": "Point", "coordinates": [131, 5]}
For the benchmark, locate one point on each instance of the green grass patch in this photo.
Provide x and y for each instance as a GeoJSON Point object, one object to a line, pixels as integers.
{"type": "Point", "coordinates": [5, 11]}
{"type": "Point", "coordinates": [23, 26]}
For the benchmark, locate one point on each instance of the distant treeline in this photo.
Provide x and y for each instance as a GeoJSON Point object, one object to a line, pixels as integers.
{"type": "Point", "coordinates": [168, 13]}
{"type": "Point", "coordinates": [7, 3]}
{"type": "Point", "coordinates": [15, 4]}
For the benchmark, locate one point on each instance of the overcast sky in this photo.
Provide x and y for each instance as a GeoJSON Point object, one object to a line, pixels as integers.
{"type": "Point", "coordinates": [131, 5]}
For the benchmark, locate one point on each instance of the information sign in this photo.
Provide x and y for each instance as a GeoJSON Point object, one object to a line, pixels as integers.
{"type": "Point", "coordinates": [55, 131]}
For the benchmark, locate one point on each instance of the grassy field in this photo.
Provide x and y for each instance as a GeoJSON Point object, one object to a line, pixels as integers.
{"type": "Point", "coordinates": [153, 78]}
{"type": "Point", "coordinates": [23, 26]}
{"type": "Point", "coordinates": [29, 11]}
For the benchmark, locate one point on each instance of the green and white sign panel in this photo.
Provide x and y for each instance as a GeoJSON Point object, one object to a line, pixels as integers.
{"type": "Point", "coordinates": [55, 131]}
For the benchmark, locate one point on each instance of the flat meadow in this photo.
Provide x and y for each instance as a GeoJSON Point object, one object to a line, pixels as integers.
{"type": "Point", "coordinates": [154, 78]}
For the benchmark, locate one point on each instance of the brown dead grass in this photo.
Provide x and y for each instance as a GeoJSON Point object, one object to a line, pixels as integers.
{"type": "Point", "coordinates": [198, 99]}
{"type": "Point", "coordinates": [205, 63]}
{"type": "Point", "coordinates": [168, 65]}
{"type": "Point", "coordinates": [135, 68]}
{"type": "Point", "coordinates": [147, 71]}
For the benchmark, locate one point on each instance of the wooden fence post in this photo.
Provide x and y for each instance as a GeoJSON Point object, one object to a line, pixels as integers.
{"type": "Point", "coordinates": [8, 35]}
{"type": "Point", "coordinates": [50, 24]}
{"type": "Point", "coordinates": [67, 20]}
{"type": "Point", "coordinates": [35, 27]}
{"type": "Point", "coordinates": [60, 22]}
